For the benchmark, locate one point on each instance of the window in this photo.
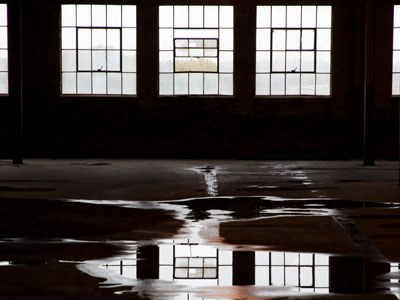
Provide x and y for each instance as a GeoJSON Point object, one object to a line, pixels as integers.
{"type": "Point", "coordinates": [98, 49]}
{"type": "Point", "coordinates": [396, 52]}
{"type": "Point", "coordinates": [196, 50]}
{"type": "Point", "coordinates": [293, 50]}
{"type": "Point", "coordinates": [3, 50]}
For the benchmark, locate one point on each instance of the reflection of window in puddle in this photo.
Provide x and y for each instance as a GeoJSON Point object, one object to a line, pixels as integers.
{"type": "Point", "coordinates": [195, 264]}
{"type": "Point", "coordinates": [395, 282]}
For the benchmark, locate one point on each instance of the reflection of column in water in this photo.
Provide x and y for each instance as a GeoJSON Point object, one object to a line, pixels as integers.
{"type": "Point", "coordinates": [148, 262]}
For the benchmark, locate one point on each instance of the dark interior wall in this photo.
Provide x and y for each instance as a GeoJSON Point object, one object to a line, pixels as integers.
{"type": "Point", "coordinates": [241, 126]}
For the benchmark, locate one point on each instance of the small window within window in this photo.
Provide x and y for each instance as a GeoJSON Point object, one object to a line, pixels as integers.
{"type": "Point", "coordinates": [196, 50]}
{"type": "Point", "coordinates": [3, 50]}
{"type": "Point", "coordinates": [293, 50]}
{"type": "Point", "coordinates": [396, 52]}
{"type": "Point", "coordinates": [98, 49]}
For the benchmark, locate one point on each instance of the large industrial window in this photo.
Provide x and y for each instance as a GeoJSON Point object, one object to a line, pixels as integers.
{"type": "Point", "coordinates": [98, 49]}
{"type": "Point", "coordinates": [396, 52]}
{"type": "Point", "coordinates": [196, 50]}
{"type": "Point", "coordinates": [293, 50]}
{"type": "Point", "coordinates": [3, 50]}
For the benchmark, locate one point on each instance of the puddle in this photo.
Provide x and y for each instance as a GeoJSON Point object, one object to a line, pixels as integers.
{"type": "Point", "coordinates": [187, 269]}
{"type": "Point", "coordinates": [198, 264]}
{"type": "Point", "coordinates": [210, 178]}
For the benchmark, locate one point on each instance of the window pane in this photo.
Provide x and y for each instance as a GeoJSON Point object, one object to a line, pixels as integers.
{"type": "Point", "coordinates": [321, 276]}
{"type": "Point", "coordinates": [129, 16]}
{"type": "Point", "coordinates": [98, 39]}
{"type": "Point", "coordinates": [277, 276]}
{"type": "Point", "coordinates": [68, 60]}
{"type": "Point", "coordinates": [263, 61]}
{"type": "Point", "coordinates": [84, 15]}
{"type": "Point", "coordinates": [166, 84]}
{"type": "Point", "coordinates": [181, 16]}
{"type": "Point", "coordinates": [129, 61]}
{"type": "Point", "coordinates": [210, 273]}
{"type": "Point", "coordinates": [129, 83]}
{"type": "Point", "coordinates": [262, 84]}
{"type": "Point", "coordinates": [211, 84]}
{"type": "Point", "coordinates": [68, 38]}
{"type": "Point", "coordinates": [84, 38]}
{"type": "Point", "coordinates": [84, 60]}
{"type": "Point", "coordinates": [293, 84]}
{"type": "Point", "coordinates": [99, 83]}
{"type": "Point", "coordinates": [181, 84]}
{"type": "Point", "coordinates": [278, 16]}
{"type": "Point", "coordinates": [307, 61]}
{"type": "Point", "coordinates": [306, 276]}
{"type": "Point", "coordinates": [114, 83]}
{"type": "Point", "coordinates": [278, 61]}
{"type": "Point", "coordinates": [181, 273]}
{"type": "Point", "coordinates": [323, 84]}
{"type": "Point", "coordinates": [226, 61]}
{"type": "Point", "coordinates": [263, 16]}
{"type": "Point", "coordinates": [226, 39]}
{"type": "Point", "coordinates": [277, 84]}
{"type": "Point", "coordinates": [323, 39]}
{"type": "Point", "coordinates": [166, 16]}
{"type": "Point", "coordinates": [324, 16]}
{"type": "Point", "coordinates": [262, 276]}
{"type": "Point", "coordinates": [293, 61]}
{"type": "Point", "coordinates": [195, 16]}
{"type": "Point", "coordinates": [396, 84]}
{"type": "Point", "coordinates": [278, 39]}
{"type": "Point", "coordinates": [114, 15]}
{"type": "Point", "coordinates": [324, 62]}
{"type": "Point", "coordinates": [226, 84]}
{"type": "Point", "coordinates": [166, 39]}
{"type": "Point", "coordinates": [226, 16]}
{"type": "Point", "coordinates": [84, 83]}
{"type": "Point", "coordinates": [263, 39]}
{"type": "Point", "coordinates": [211, 16]}
{"type": "Point", "coordinates": [195, 273]}
{"type": "Point", "coordinates": [99, 62]}
{"type": "Point", "coordinates": [396, 19]}
{"type": "Point", "coordinates": [113, 61]}
{"type": "Point", "coordinates": [3, 60]}
{"type": "Point", "coordinates": [292, 276]}
{"type": "Point", "coordinates": [293, 16]}
{"type": "Point", "coordinates": [99, 15]}
{"type": "Point", "coordinates": [68, 16]}
{"type": "Point", "coordinates": [291, 259]}
{"type": "Point", "coordinates": [129, 39]}
{"type": "Point", "coordinates": [68, 83]}
{"type": "Point", "coordinates": [195, 85]}
{"type": "Point", "coordinates": [114, 39]}
{"type": "Point", "coordinates": [3, 83]}
{"type": "Point", "coordinates": [308, 40]}
{"type": "Point", "coordinates": [308, 84]}
{"type": "Point", "coordinates": [293, 40]}
{"type": "Point", "coordinates": [309, 17]}
{"type": "Point", "coordinates": [166, 61]}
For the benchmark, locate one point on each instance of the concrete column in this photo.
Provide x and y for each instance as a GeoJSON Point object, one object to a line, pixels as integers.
{"type": "Point", "coordinates": [369, 82]}
{"type": "Point", "coordinates": [243, 267]}
{"type": "Point", "coordinates": [148, 262]}
{"type": "Point", "coordinates": [15, 76]}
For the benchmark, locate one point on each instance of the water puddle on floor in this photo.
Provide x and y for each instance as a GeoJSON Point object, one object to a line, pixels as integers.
{"type": "Point", "coordinates": [197, 263]}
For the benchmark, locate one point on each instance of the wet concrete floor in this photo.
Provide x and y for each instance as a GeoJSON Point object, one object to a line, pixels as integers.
{"type": "Point", "coordinates": [109, 229]}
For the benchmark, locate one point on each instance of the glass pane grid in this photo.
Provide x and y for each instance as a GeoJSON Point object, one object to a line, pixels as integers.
{"type": "Point", "coordinates": [293, 50]}
{"type": "Point", "coordinates": [196, 268]}
{"type": "Point", "coordinates": [206, 66]}
{"type": "Point", "coordinates": [295, 270]}
{"type": "Point", "coordinates": [98, 49]}
{"type": "Point", "coordinates": [3, 50]}
{"type": "Point", "coordinates": [396, 51]}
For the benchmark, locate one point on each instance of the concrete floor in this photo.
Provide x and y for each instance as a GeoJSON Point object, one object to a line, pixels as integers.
{"type": "Point", "coordinates": [58, 217]}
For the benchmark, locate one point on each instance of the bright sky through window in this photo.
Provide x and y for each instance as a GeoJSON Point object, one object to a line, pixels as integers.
{"type": "Point", "coordinates": [293, 50]}
{"type": "Point", "coordinates": [98, 49]}
{"type": "Point", "coordinates": [3, 50]}
{"type": "Point", "coordinates": [196, 50]}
